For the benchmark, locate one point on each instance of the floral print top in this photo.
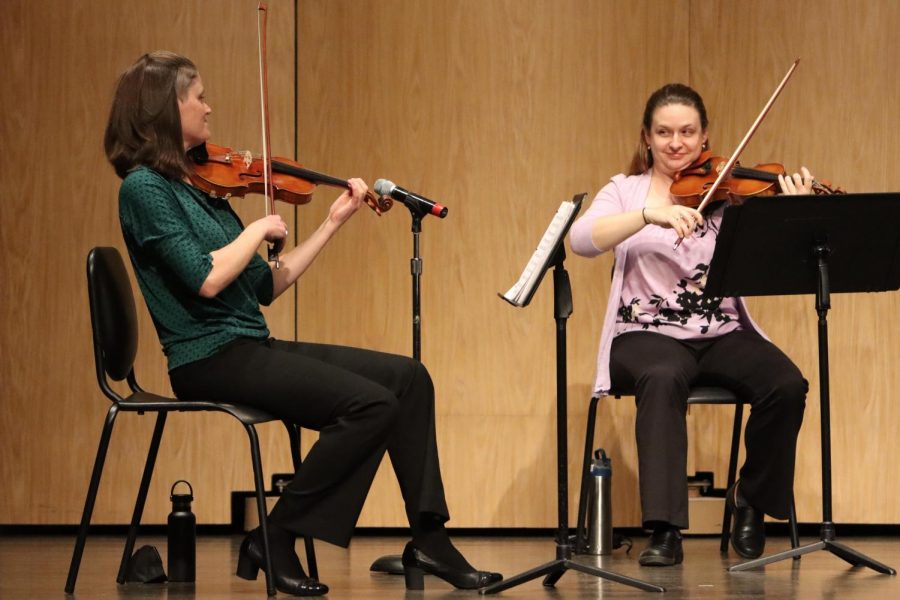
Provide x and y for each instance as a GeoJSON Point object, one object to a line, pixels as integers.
{"type": "Point", "coordinates": [662, 289]}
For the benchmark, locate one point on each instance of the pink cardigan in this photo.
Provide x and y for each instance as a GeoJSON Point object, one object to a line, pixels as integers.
{"type": "Point", "coordinates": [621, 194]}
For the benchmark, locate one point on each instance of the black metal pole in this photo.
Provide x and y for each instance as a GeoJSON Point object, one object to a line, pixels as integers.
{"type": "Point", "coordinates": [415, 269]}
{"type": "Point", "coordinates": [562, 309]}
{"type": "Point", "coordinates": [823, 304]}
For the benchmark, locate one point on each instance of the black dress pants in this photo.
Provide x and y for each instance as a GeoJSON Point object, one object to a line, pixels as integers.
{"type": "Point", "coordinates": [661, 370]}
{"type": "Point", "coordinates": [361, 402]}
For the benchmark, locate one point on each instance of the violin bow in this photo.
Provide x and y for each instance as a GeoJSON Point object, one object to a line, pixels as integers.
{"type": "Point", "coordinates": [727, 168]}
{"type": "Point", "coordinates": [724, 171]}
{"type": "Point", "coordinates": [262, 12]}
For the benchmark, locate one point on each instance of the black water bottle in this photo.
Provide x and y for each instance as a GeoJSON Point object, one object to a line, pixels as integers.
{"type": "Point", "coordinates": [182, 536]}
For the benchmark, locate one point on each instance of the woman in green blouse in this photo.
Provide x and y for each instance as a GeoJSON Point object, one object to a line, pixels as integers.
{"type": "Point", "coordinates": [203, 282]}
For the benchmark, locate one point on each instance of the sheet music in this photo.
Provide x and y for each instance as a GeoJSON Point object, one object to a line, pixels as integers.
{"type": "Point", "coordinates": [532, 272]}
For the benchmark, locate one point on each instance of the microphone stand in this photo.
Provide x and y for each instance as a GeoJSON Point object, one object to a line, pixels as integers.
{"type": "Point", "coordinates": [392, 563]}
{"type": "Point", "coordinates": [415, 269]}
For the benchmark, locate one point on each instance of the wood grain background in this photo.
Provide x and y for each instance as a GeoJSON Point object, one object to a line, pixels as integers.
{"type": "Point", "coordinates": [500, 110]}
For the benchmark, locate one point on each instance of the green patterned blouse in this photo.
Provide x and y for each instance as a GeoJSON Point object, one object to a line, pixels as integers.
{"type": "Point", "coordinates": [170, 229]}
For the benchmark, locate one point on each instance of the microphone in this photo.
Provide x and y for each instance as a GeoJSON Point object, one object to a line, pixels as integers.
{"type": "Point", "coordinates": [385, 187]}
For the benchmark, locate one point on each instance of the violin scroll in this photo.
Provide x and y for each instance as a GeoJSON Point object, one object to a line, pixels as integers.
{"type": "Point", "coordinates": [380, 204]}
{"type": "Point", "coordinates": [826, 188]}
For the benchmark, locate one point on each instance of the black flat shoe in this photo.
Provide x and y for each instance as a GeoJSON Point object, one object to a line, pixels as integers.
{"type": "Point", "coordinates": [416, 563]}
{"type": "Point", "coordinates": [251, 561]}
{"type": "Point", "coordinates": [748, 531]}
{"type": "Point", "coordinates": [664, 549]}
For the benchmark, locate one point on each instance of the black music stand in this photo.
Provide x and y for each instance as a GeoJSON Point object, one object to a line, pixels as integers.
{"type": "Point", "coordinates": [562, 309]}
{"type": "Point", "coordinates": [810, 245]}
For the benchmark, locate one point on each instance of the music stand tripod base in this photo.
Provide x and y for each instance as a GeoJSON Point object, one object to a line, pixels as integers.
{"type": "Point", "coordinates": [553, 570]}
{"type": "Point", "coordinates": [841, 551]}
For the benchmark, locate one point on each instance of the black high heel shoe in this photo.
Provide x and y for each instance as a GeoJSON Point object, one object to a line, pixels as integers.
{"type": "Point", "coordinates": [251, 560]}
{"type": "Point", "coordinates": [416, 563]}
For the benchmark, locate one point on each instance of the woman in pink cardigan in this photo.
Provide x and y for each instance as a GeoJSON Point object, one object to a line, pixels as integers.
{"type": "Point", "coordinates": [661, 336]}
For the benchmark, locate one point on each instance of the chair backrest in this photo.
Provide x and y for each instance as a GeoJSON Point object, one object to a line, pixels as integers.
{"type": "Point", "coordinates": [113, 315]}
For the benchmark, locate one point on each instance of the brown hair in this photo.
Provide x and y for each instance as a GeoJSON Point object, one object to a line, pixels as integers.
{"type": "Point", "coordinates": [671, 93]}
{"type": "Point", "coordinates": [144, 126]}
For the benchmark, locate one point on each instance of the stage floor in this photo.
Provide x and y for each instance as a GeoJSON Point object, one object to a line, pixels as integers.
{"type": "Point", "coordinates": [36, 567]}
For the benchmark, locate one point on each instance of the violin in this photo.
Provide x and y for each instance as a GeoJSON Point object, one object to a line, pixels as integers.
{"type": "Point", "coordinates": [223, 173]}
{"type": "Point", "coordinates": [691, 185]}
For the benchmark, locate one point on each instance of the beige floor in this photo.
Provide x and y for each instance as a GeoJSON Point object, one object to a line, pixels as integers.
{"type": "Point", "coordinates": [36, 567]}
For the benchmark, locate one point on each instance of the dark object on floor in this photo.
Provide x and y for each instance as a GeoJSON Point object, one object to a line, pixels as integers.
{"type": "Point", "coordinates": [145, 566]}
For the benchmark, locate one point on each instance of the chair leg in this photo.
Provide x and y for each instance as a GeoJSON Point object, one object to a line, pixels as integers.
{"type": "Point", "coordinates": [141, 500]}
{"type": "Point", "coordinates": [294, 435]}
{"type": "Point", "coordinates": [311, 556]}
{"type": "Point", "coordinates": [795, 535]}
{"type": "Point", "coordinates": [91, 498]}
{"type": "Point", "coordinates": [585, 474]}
{"type": "Point", "coordinates": [261, 505]}
{"type": "Point", "coordinates": [732, 474]}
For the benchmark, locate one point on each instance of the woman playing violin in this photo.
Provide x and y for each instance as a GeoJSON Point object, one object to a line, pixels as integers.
{"type": "Point", "coordinates": [203, 281]}
{"type": "Point", "coordinates": [661, 336]}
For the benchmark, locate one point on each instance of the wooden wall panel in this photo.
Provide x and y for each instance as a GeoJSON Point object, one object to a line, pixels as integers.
{"type": "Point", "coordinates": [500, 110]}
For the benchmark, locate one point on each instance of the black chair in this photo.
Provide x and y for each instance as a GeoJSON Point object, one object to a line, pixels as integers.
{"type": "Point", "coordinates": [698, 395]}
{"type": "Point", "coordinates": [115, 330]}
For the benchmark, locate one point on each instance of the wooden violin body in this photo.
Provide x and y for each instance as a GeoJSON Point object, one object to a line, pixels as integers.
{"type": "Point", "coordinates": [691, 185]}
{"type": "Point", "coordinates": [223, 172]}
